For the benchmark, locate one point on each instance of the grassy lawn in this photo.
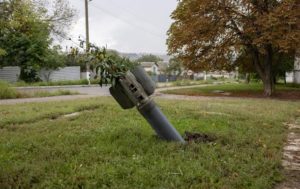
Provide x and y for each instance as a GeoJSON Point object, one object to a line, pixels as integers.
{"type": "Point", "coordinates": [7, 92]}
{"type": "Point", "coordinates": [107, 147]}
{"type": "Point", "coordinates": [55, 83]}
{"type": "Point", "coordinates": [239, 90]}
{"type": "Point", "coordinates": [189, 82]}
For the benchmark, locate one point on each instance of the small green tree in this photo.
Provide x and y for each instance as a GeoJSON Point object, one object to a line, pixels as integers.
{"type": "Point", "coordinates": [175, 66]}
{"type": "Point", "coordinates": [25, 37]}
{"type": "Point", "coordinates": [108, 64]}
{"type": "Point", "coordinates": [149, 58]}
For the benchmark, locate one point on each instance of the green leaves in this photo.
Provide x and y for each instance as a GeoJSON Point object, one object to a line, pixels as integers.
{"type": "Point", "coordinates": [2, 52]}
{"type": "Point", "coordinates": [109, 65]}
{"type": "Point", "coordinates": [110, 70]}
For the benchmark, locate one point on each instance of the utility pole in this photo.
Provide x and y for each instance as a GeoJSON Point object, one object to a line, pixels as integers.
{"type": "Point", "coordinates": [87, 36]}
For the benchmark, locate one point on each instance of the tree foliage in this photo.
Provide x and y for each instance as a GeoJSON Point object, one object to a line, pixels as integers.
{"type": "Point", "coordinates": [208, 35]}
{"type": "Point", "coordinates": [108, 64]}
{"type": "Point", "coordinates": [175, 66]}
{"type": "Point", "coordinates": [149, 58]}
{"type": "Point", "coordinates": [25, 38]}
{"type": "Point", "coordinates": [282, 63]}
{"type": "Point", "coordinates": [58, 14]}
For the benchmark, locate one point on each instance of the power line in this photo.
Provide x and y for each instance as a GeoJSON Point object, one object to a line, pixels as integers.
{"type": "Point", "coordinates": [71, 40]}
{"type": "Point", "coordinates": [127, 22]}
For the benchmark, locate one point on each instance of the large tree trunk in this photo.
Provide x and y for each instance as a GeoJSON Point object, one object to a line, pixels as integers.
{"type": "Point", "coordinates": [265, 70]}
{"type": "Point", "coordinates": [269, 85]}
{"type": "Point", "coordinates": [268, 82]}
{"type": "Point", "coordinates": [247, 80]}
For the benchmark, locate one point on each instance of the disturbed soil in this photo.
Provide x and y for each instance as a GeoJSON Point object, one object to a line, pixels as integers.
{"type": "Point", "coordinates": [198, 137]}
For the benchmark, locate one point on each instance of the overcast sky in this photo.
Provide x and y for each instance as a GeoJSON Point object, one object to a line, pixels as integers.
{"type": "Point", "coordinates": [137, 26]}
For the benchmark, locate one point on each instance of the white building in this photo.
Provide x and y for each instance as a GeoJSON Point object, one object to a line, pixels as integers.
{"type": "Point", "coordinates": [294, 76]}
{"type": "Point", "coordinates": [150, 67]}
{"type": "Point", "coordinates": [297, 69]}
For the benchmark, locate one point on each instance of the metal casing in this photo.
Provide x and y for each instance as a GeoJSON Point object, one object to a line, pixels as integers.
{"type": "Point", "coordinates": [143, 78]}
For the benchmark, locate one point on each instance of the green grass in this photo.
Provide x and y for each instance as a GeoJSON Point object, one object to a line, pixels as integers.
{"type": "Point", "coordinates": [55, 83]}
{"type": "Point", "coordinates": [107, 147]}
{"type": "Point", "coordinates": [8, 92]}
{"type": "Point", "coordinates": [241, 88]}
{"type": "Point", "coordinates": [186, 82]}
{"type": "Point", "coordinates": [60, 92]}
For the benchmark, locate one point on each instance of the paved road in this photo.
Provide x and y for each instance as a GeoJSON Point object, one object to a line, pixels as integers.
{"type": "Point", "coordinates": [85, 92]}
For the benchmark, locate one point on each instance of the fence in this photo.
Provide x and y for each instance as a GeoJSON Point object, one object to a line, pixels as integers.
{"type": "Point", "coordinates": [10, 74]}
{"type": "Point", "coordinates": [66, 73]}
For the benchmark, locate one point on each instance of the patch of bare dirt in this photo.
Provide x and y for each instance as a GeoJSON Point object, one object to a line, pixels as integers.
{"type": "Point", "coordinates": [198, 137]}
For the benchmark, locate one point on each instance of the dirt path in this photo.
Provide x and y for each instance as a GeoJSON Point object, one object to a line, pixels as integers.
{"type": "Point", "coordinates": [291, 158]}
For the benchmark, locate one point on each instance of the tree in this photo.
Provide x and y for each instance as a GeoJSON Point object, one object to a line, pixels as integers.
{"type": "Point", "coordinates": [175, 66]}
{"type": "Point", "coordinates": [209, 34]}
{"type": "Point", "coordinates": [149, 58]}
{"type": "Point", "coordinates": [58, 14]}
{"type": "Point", "coordinates": [3, 23]}
{"type": "Point", "coordinates": [109, 65]}
{"type": "Point", "coordinates": [282, 63]}
{"type": "Point", "coordinates": [25, 38]}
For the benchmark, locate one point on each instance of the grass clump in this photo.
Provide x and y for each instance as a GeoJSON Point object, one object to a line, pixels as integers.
{"type": "Point", "coordinates": [107, 147]}
{"type": "Point", "coordinates": [6, 92]}
{"type": "Point", "coordinates": [60, 92]}
{"type": "Point", "coordinates": [56, 83]}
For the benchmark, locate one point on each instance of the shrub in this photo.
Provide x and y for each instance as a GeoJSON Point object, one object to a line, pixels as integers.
{"type": "Point", "coordinates": [6, 92]}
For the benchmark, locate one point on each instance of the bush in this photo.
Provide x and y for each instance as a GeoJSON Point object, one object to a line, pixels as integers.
{"type": "Point", "coordinates": [6, 92]}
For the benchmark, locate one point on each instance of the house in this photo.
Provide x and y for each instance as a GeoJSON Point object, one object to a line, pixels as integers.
{"type": "Point", "coordinates": [150, 67]}
{"type": "Point", "coordinates": [297, 70]}
{"type": "Point", "coordinates": [294, 76]}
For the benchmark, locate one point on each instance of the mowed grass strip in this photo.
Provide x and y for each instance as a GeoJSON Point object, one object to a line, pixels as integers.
{"type": "Point", "coordinates": [288, 91]}
{"type": "Point", "coordinates": [8, 92]}
{"type": "Point", "coordinates": [107, 147]}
